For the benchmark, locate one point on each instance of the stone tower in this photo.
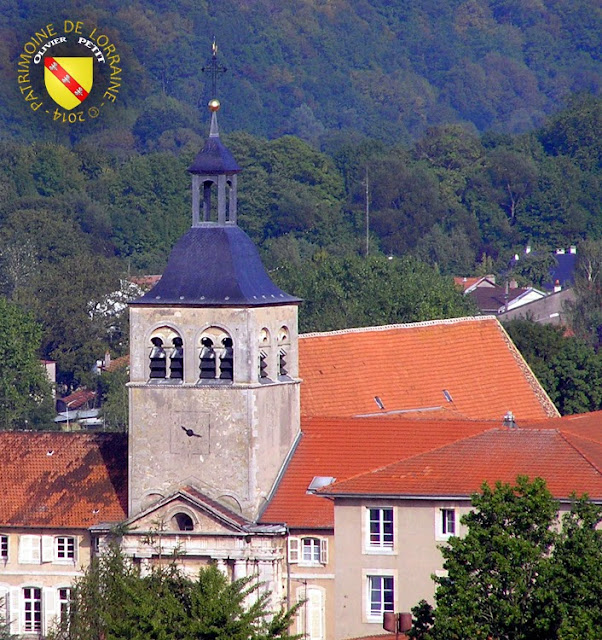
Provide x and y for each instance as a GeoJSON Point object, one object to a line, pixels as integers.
{"type": "Point", "coordinates": [214, 386]}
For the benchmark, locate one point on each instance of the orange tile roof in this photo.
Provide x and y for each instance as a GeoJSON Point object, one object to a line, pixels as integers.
{"type": "Point", "coordinates": [567, 462]}
{"type": "Point", "coordinates": [409, 366]}
{"type": "Point", "coordinates": [78, 398]}
{"type": "Point", "coordinates": [118, 363]}
{"type": "Point", "coordinates": [343, 447]}
{"type": "Point", "coordinates": [52, 479]}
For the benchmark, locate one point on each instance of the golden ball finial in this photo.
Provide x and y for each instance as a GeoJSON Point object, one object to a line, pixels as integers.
{"type": "Point", "coordinates": [214, 104]}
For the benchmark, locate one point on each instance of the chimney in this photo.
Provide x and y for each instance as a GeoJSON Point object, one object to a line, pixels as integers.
{"type": "Point", "coordinates": [509, 421]}
{"type": "Point", "coordinates": [573, 249]}
{"type": "Point", "coordinates": [528, 249]}
{"type": "Point", "coordinates": [560, 252]}
{"type": "Point", "coordinates": [557, 286]}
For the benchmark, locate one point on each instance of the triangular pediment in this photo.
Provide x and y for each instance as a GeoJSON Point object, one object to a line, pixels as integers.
{"type": "Point", "coordinates": [189, 507]}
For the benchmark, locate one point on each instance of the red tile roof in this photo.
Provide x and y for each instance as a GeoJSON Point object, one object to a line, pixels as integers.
{"type": "Point", "coordinates": [341, 448]}
{"type": "Point", "coordinates": [567, 462]}
{"type": "Point", "coordinates": [409, 366]}
{"type": "Point", "coordinates": [52, 479]}
{"type": "Point", "coordinates": [78, 398]}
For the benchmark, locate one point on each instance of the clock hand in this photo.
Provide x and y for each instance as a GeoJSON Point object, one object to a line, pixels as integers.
{"type": "Point", "coordinates": [189, 432]}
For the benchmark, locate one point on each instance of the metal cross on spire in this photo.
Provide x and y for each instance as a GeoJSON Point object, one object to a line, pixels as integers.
{"type": "Point", "coordinates": [214, 68]}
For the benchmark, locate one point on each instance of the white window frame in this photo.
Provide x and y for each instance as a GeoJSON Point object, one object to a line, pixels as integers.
{"type": "Point", "coordinates": [32, 614]}
{"type": "Point", "coordinates": [4, 547]}
{"type": "Point", "coordinates": [65, 549]}
{"type": "Point", "coordinates": [376, 543]}
{"type": "Point", "coordinates": [370, 578]}
{"type": "Point", "coordinates": [442, 522]}
{"type": "Point", "coordinates": [296, 548]}
{"type": "Point", "coordinates": [63, 598]}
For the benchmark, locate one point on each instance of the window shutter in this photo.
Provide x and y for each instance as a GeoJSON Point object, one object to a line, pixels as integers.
{"type": "Point", "coordinates": [47, 548]}
{"type": "Point", "coordinates": [14, 607]}
{"type": "Point", "coordinates": [324, 550]}
{"type": "Point", "coordinates": [29, 549]}
{"type": "Point", "coordinates": [49, 598]}
{"type": "Point", "coordinates": [293, 550]}
{"type": "Point", "coordinates": [315, 627]}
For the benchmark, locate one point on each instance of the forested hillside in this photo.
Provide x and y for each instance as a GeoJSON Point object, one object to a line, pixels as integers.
{"type": "Point", "coordinates": [457, 132]}
{"type": "Point", "coordinates": [316, 68]}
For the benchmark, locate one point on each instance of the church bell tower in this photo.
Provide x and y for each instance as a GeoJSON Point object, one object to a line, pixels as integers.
{"type": "Point", "coordinates": [214, 386]}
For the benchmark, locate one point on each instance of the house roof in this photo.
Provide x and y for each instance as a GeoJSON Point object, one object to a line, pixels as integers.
{"type": "Point", "coordinates": [491, 299]}
{"type": "Point", "coordinates": [569, 463]}
{"type": "Point", "coordinates": [410, 367]}
{"type": "Point", "coordinates": [52, 479]}
{"type": "Point", "coordinates": [468, 283]}
{"type": "Point", "coordinates": [343, 447]}
{"type": "Point", "coordinates": [78, 398]}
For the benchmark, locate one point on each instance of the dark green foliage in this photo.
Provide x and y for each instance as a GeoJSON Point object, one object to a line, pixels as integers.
{"type": "Point", "coordinates": [356, 292]}
{"type": "Point", "coordinates": [25, 393]}
{"type": "Point", "coordinates": [114, 398]}
{"type": "Point", "coordinates": [514, 575]}
{"type": "Point", "coordinates": [569, 369]}
{"type": "Point", "coordinates": [115, 602]}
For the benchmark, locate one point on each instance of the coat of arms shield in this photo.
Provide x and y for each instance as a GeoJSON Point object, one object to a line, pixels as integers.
{"type": "Point", "coordinates": [68, 80]}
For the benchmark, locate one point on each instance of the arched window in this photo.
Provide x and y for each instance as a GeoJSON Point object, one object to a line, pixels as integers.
{"type": "Point", "coordinates": [166, 346]}
{"type": "Point", "coordinates": [183, 522]}
{"type": "Point", "coordinates": [283, 349]}
{"type": "Point", "coordinates": [216, 355]}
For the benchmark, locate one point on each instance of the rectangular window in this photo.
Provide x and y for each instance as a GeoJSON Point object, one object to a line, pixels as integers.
{"type": "Point", "coordinates": [381, 528]}
{"type": "Point", "coordinates": [64, 602]}
{"type": "Point", "coordinates": [448, 522]}
{"type": "Point", "coordinates": [65, 548]}
{"type": "Point", "coordinates": [3, 547]}
{"type": "Point", "coordinates": [32, 609]}
{"type": "Point", "coordinates": [310, 550]}
{"type": "Point", "coordinates": [380, 596]}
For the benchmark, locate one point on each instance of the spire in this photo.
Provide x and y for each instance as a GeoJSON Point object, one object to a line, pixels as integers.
{"type": "Point", "coordinates": [214, 167]}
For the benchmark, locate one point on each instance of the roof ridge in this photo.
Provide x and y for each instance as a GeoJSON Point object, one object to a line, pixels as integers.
{"type": "Point", "coordinates": [404, 460]}
{"type": "Point", "coordinates": [578, 450]}
{"type": "Point", "coordinates": [404, 325]}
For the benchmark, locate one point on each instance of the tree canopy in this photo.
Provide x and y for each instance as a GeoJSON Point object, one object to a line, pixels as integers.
{"type": "Point", "coordinates": [113, 600]}
{"type": "Point", "coordinates": [25, 393]}
{"type": "Point", "coordinates": [516, 575]}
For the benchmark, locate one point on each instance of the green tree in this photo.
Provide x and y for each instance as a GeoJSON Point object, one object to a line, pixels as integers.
{"type": "Point", "coordinates": [114, 397]}
{"type": "Point", "coordinates": [25, 393]}
{"type": "Point", "coordinates": [586, 311]}
{"type": "Point", "coordinates": [568, 368]}
{"type": "Point", "coordinates": [354, 292]}
{"type": "Point", "coordinates": [515, 576]}
{"type": "Point", "coordinates": [113, 601]}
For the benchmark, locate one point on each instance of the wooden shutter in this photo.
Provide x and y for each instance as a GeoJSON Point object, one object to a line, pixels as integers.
{"type": "Point", "coordinates": [315, 609]}
{"type": "Point", "coordinates": [47, 548]}
{"type": "Point", "coordinates": [29, 549]}
{"type": "Point", "coordinates": [324, 550]}
{"type": "Point", "coordinates": [293, 550]}
{"type": "Point", "coordinates": [49, 599]}
{"type": "Point", "coordinates": [14, 610]}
